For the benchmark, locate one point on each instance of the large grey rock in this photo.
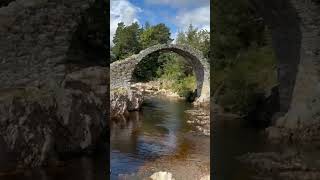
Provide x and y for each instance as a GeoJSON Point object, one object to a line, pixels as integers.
{"type": "Point", "coordinates": [53, 95]}
{"type": "Point", "coordinates": [41, 124]}
{"type": "Point", "coordinates": [124, 100]}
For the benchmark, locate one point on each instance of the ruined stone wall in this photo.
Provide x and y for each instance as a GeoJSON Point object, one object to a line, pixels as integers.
{"type": "Point", "coordinates": [121, 72]}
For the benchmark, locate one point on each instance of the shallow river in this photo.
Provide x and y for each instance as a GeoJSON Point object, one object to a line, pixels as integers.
{"type": "Point", "coordinates": [82, 168]}
{"type": "Point", "coordinates": [235, 137]}
{"type": "Point", "coordinates": [155, 132]}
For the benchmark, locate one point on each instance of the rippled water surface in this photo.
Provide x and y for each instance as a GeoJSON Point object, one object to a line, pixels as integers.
{"type": "Point", "coordinates": [147, 135]}
{"type": "Point", "coordinates": [83, 168]}
{"type": "Point", "coordinates": [235, 137]}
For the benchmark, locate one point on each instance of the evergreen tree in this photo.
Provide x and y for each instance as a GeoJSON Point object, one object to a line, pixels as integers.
{"type": "Point", "coordinates": [126, 40]}
{"type": "Point", "coordinates": [152, 35]}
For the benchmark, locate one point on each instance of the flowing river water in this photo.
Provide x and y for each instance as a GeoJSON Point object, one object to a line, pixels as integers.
{"type": "Point", "coordinates": [84, 168]}
{"type": "Point", "coordinates": [233, 138]}
{"type": "Point", "coordinates": [157, 136]}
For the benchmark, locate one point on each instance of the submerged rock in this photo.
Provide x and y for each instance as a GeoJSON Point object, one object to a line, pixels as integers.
{"type": "Point", "coordinates": [162, 176]}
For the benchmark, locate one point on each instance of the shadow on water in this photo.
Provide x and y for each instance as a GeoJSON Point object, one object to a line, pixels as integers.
{"type": "Point", "coordinates": [153, 132]}
{"type": "Point", "coordinates": [233, 138]}
{"type": "Point", "coordinates": [86, 168]}
{"type": "Point", "coordinates": [236, 137]}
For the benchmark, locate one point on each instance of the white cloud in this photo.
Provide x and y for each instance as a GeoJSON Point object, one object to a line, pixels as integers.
{"type": "Point", "coordinates": [122, 11]}
{"type": "Point", "coordinates": [174, 37]}
{"type": "Point", "coordinates": [199, 18]}
{"type": "Point", "coordinates": [179, 3]}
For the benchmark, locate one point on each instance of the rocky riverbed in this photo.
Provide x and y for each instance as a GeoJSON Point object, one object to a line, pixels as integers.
{"type": "Point", "coordinates": [125, 100]}
{"type": "Point", "coordinates": [181, 165]}
{"type": "Point", "coordinates": [289, 165]}
{"type": "Point", "coordinates": [171, 137]}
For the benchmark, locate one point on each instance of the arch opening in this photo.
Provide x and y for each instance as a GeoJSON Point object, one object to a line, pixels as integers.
{"type": "Point", "coordinates": [191, 57]}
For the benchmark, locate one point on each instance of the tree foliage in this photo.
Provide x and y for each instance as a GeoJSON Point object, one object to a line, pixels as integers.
{"type": "Point", "coordinates": [243, 63]}
{"type": "Point", "coordinates": [152, 35]}
{"type": "Point", "coordinates": [198, 39]}
{"type": "Point", "coordinates": [177, 73]}
{"type": "Point", "coordinates": [126, 40]}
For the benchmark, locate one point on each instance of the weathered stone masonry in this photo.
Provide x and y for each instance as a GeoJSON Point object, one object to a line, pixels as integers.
{"type": "Point", "coordinates": [295, 26]}
{"type": "Point", "coordinates": [121, 71]}
{"type": "Point", "coordinates": [53, 86]}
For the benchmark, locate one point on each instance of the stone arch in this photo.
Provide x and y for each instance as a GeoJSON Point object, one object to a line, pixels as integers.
{"type": "Point", "coordinates": [123, 70]}
{"type": "Point", "coordinates": [295, 29]}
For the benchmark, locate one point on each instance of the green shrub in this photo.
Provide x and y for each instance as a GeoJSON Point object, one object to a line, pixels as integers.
{"type": "Point", "coordinates": [177, 76]}
{"type": "Point", "coordinates": [253, 73]}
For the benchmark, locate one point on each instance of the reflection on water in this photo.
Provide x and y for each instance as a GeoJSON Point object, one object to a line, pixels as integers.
{"type": "Point", "coordinates": [235, 137]}
{"type": "Point", "coordinates": [147, 135]}
{"type": "Point", "coordinates": [84, 168]}
{"type": "Point", "coordinates": [232, 138]}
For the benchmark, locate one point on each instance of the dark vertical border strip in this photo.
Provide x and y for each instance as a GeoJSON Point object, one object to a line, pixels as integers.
{"type": "Point", "coordinates": [211, 59]}
{"type": "Point", "coordinates": [107, 48]}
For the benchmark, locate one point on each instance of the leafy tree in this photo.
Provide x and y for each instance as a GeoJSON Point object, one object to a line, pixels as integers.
{"type": "Point", "coordinates": [152, 35]}
{"type": "Point", "coordinates": [242, 63]}
{"type": "Point", "coordinates": [198, 39]}
{"type": "Point", "coordinates": [126, 40]}
{"type": "Point", "coordinates": [177, 74]}
{"type": "Point", "coordinates": [235, 28]}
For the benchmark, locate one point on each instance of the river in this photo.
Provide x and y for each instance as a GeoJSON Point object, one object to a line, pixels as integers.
{"type": "Point", "coordinates": [233, 138]}
{"type": "Point", "coordinates": [158, 138]}
{"type": "Point", "coordinates": [84, 168]}
{"type": "Point", "coordinates": [143, 141]}
{"type": "Point", "coordinates": [154, 135]}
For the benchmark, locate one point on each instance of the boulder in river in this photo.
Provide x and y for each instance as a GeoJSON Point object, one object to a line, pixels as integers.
{"type": "Point", "coordinates": [123, 100]}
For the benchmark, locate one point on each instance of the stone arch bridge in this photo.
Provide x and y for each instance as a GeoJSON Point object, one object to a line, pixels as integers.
{"type": "Point", "coordinates": [121, 71]}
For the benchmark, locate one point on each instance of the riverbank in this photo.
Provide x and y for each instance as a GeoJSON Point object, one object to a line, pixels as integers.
{"type": "Point", "coordinates": [153, 88]}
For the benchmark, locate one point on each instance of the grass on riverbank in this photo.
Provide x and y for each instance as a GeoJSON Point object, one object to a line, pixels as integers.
{"type": "Point", "coordinates": [176, 75]}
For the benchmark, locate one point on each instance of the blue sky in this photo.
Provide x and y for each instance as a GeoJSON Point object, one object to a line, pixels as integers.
{"type": "Point", "coordinates": [176, 14]}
